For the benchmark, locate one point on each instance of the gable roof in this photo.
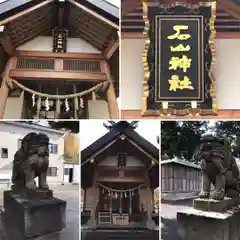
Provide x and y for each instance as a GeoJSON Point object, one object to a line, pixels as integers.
{"type": "Point", "coordinates": [121, 128]}
{"type": "Point", "coordinates": [95, 21]}
{"type": "Point", "coordinates": [11, 7]}
{"type": "Point", "coordinates": [106, 7]}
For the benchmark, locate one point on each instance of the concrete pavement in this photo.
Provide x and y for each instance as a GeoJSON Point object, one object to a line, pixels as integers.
{"type": "Point", "coordinates": [169, 218]}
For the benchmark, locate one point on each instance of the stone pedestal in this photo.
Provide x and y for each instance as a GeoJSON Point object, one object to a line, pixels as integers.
{"type": "Point", "coordinates": [211, 205]}
{"type": "Point", "coordinates": [212, 220]}
{"type": "Point", "coordinates": [28, 218]}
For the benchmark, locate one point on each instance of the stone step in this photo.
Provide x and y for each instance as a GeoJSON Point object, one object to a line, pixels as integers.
{"type": "Point", "coordinates": [119, 235]}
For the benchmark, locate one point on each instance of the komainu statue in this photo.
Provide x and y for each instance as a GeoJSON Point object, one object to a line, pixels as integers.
{"type": "Point", "coordinates": [31, 161]}
{"type": "Point", "coordinates": [219, 168]}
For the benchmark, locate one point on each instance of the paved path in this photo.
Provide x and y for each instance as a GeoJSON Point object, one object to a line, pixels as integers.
{"type": "Point", "coordinates": [69, 193]}
{"type": "Point", "coordinates": [169, 221]}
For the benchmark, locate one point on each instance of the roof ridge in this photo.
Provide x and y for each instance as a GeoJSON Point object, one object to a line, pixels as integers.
{"type": "Point", "coordinates": [110, 4]}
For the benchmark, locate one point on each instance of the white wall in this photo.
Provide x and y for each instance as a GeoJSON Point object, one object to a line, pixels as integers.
{"type": "Point", "coordinates": [227, 72]}
{"type": "Point", "coordinates": [44, 43]}
{"type": "Point", "coordinates": [14, 107]}
{"type": "Point", "coordinates": [76, 173]}
{"type": "Point", "coordinates": [11, 134]}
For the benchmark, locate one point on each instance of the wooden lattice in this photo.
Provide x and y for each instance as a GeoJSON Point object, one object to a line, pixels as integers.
{"type": "Point", "coordinates": [34, 63]}
{"type": "Point", "coordinates": [81, 65]}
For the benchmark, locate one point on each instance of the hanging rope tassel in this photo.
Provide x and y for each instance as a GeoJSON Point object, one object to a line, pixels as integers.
{"type": "Point", "coordinates": [66, 105]}
{"type": "Point", "coordinates": [47, 104]}
{"type": "Point", "coordinates": [33, 100]}
{"type": "Point", "coordinates": [81, 102]}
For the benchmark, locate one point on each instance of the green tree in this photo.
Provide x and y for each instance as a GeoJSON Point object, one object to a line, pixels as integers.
{"type": "Point", "coordinates": [230, 130]}
{"type": "Point", "coordinates": [180, 139]}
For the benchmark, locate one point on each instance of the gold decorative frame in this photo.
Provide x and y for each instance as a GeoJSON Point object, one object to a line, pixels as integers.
{"type": "Point", "coordinates": [187, 111]}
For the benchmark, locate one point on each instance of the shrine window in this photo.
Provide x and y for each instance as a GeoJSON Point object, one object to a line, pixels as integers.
{"type": "Point", "coordinates": [122, 159]}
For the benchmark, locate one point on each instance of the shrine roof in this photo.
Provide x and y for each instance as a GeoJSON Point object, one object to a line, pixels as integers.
{"type": "Point", "coordinates": [12, 7]}
{"type": "Point", "coordinates": [120, 129]}
{"type": "Point", "coordinates": [181, 162]}
{"type": "Point", "coordinates": [94, 21]}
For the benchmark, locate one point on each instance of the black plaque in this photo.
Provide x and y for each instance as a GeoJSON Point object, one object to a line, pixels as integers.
{"type": "Point", "coordinates": [178, 59]}
{"type": "Point", "coordinates": [60, 40]}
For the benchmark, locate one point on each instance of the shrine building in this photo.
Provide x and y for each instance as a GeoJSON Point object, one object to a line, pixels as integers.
{"type": "Point", "coordinates": [119, 173]}
{"type": "Point", "coordinates": [223, 32]}
{"type": "Point", "coordinates": [180, 179]}
{"type": "Point", "coordinates": [59, 59]}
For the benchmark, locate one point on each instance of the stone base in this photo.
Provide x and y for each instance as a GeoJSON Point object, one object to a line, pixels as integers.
{"type": "Point", "coordinates": [32, 194]}
{"type": "Point", "coordinates": [198, 225]}
{"type": "Point", "coordinates": [25, 219]}
{"type": "Point", "coordinates": [216, 205]}
{"type": "Point", "coordinates": [85, 216]}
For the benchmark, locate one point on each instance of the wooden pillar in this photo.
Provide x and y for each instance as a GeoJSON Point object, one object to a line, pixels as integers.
{"type": "Point", "coordinates": [4, 90]}
{"type": "Point", "coordinates": [110, 94]}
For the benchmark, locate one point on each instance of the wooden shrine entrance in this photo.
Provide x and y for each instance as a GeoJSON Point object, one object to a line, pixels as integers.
{"type": "Point", "coordinates": [59, 60]}
{"type": "Point", "coordinates": [119, 173]}
{"type": "Point", "coordinates": [116, 207]}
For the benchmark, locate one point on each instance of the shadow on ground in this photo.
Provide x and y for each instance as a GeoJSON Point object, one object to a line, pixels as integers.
{"type": "Point", "coordinates": [169, 229]}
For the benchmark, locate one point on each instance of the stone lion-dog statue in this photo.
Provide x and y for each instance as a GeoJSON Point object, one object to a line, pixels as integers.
{"type": "Point", "coordinates": [31, 161]}
{"type": "Point", "coordinates": [218, 168]}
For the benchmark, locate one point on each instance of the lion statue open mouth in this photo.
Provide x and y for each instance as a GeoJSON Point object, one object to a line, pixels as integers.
{"type": "Point", "coordinates": [31, 161]}
{"type": "Point", "coordinates": [218, 168]}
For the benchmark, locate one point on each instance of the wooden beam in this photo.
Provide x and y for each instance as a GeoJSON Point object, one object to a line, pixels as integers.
{"type": "Point", "coordinates": [49, 75]}
{"type": "Point", "coordinates": [58, 66]}
{"type": "Point", "coordinates": [231, 8]}
{"type": "Point", "coordinates": [219, 35]}
{"type": "Point", "coordinates": [4, 90]}
{"type": "Point", "coordinates": [6, 41]}
{"type": "Point", "coordinates": [222, 115]}
{"type": "Point", "coordinates": [96, 15]}
{"type": "Point", "coordinates": [226, 35]}
{"type": "Point", "coordinates": [60, 13]}
{"type": "Point", "coordinates": [119, 179]}
{"type": "Point", "coordinates": [111, 96]}
{"type": "Point", "coordinates": [88, 56]}
{"type": "Point", "coordinates": [23, 13]}
{"type": "Point", "coordinates": [110, 50]}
